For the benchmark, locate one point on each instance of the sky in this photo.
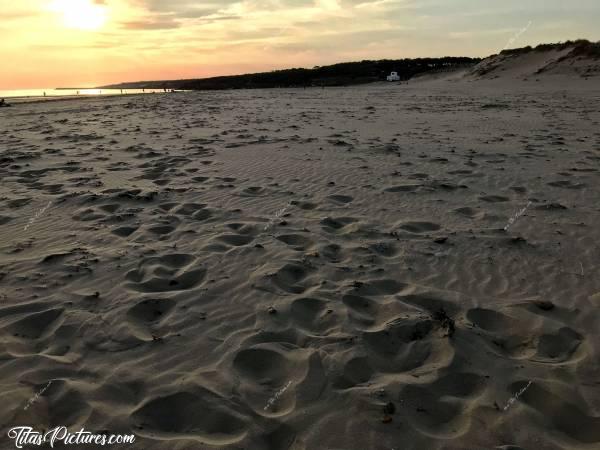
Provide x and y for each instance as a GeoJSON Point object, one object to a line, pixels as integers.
{"type": "Point", "coordinates": [79, 43]}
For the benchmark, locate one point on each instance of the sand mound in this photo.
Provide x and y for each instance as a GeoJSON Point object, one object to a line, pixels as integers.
{"type": "Point", "coordinates": [579, 59]}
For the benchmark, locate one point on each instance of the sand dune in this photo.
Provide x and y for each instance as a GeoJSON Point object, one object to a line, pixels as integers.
{"type": "Point", "coordinates": [306, 269]}
{"type": "Point", "coordinates": [570, 60]}
{"type": "Point", "coordinates": [576, 64]}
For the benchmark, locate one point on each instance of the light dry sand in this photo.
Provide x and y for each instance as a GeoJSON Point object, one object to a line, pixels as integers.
{"type": "Point", "coordinates": [306, 269]}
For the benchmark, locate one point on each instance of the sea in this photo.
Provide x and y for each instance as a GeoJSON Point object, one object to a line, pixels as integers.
{"type": "Point", "coordinates": [35, 94]}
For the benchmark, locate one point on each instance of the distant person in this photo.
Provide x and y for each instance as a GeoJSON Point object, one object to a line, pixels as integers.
{"type": "Point", "coordinates": [44, 94]}
{"type": "Point", "coordinates": [3, 103]}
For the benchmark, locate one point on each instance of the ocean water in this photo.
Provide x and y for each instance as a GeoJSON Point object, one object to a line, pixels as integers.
{"type": "Point", "coordinates": [39, 93]}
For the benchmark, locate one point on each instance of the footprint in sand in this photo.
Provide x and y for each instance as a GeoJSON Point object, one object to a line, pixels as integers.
{"type": "Point", "coordinates": [419, 227]}
{"type": "Point", "coordinates": [494, 198]}
{"type": "Point", "coordinates": [290, 278]}
{"type": "Point", "coordinates": [173, 272]}
{"type": "Point", "coordinates": [520, 335]}
{"type": "Point", "coordinates": [341, 199]}
{"type": "Point", "coordinates": [404, 188]}
{"type": "Point", "coordinates": [297, 242]}
{"type": "Point", "coordinates": [124, 231]}
{"type": "Point", "coordinates": [175, 415]}
{"type": "Point", "coordinates": [332, 225]}
{"type": "Point", "coordinates": [561, 411]}
{"type": "Point", "coordinates": [567, 184]}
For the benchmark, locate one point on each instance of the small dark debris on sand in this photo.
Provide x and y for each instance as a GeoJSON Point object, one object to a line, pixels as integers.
{"type": "Point", "coordinates": [445, 321]}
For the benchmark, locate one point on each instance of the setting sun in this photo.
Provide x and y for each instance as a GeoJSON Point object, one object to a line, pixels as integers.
{"type": "Point", "coordinates": [81, 14]}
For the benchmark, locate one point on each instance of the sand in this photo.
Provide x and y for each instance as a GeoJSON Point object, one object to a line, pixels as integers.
{"type": "Point", "coordinates": [378, 267]}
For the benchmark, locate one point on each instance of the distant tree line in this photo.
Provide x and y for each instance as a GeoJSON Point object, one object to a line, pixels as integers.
{"type": "Point", "coordinates": [342, 74]}
{"type": "Point", "coordinates": [581, 47]}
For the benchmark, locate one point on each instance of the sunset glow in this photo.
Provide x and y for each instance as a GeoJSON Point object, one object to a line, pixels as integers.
{"type": "Point", "coordinates": [50, 43]}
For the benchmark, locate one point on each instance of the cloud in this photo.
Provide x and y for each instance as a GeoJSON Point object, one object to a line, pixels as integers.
{"type": "Point", "coordinates": [199, 9]}
{"type": "Point", "coordinates": [151, 24]}
{"type": "Point", "coordinates": [185, 9]}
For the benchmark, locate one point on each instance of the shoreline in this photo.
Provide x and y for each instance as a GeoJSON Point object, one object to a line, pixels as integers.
{"type": "Point", "coordinates": [33, 100]}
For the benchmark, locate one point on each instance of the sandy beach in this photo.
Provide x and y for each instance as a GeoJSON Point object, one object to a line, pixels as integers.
{"type": "Point", "coordinates": [389, 266]}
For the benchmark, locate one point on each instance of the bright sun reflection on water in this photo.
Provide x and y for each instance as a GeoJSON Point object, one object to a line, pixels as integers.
{"type": "Point", "coordinates": [81, 14]}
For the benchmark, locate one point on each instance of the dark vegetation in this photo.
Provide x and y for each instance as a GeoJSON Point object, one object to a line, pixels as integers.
{"type": "Point", "coordinates": [343, 74]}
{"type": "Point", "coordinates": [581, 47]}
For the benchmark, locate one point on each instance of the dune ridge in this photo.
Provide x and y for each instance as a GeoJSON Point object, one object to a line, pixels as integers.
{"type": "Point", "coordinates": [572, 59]}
